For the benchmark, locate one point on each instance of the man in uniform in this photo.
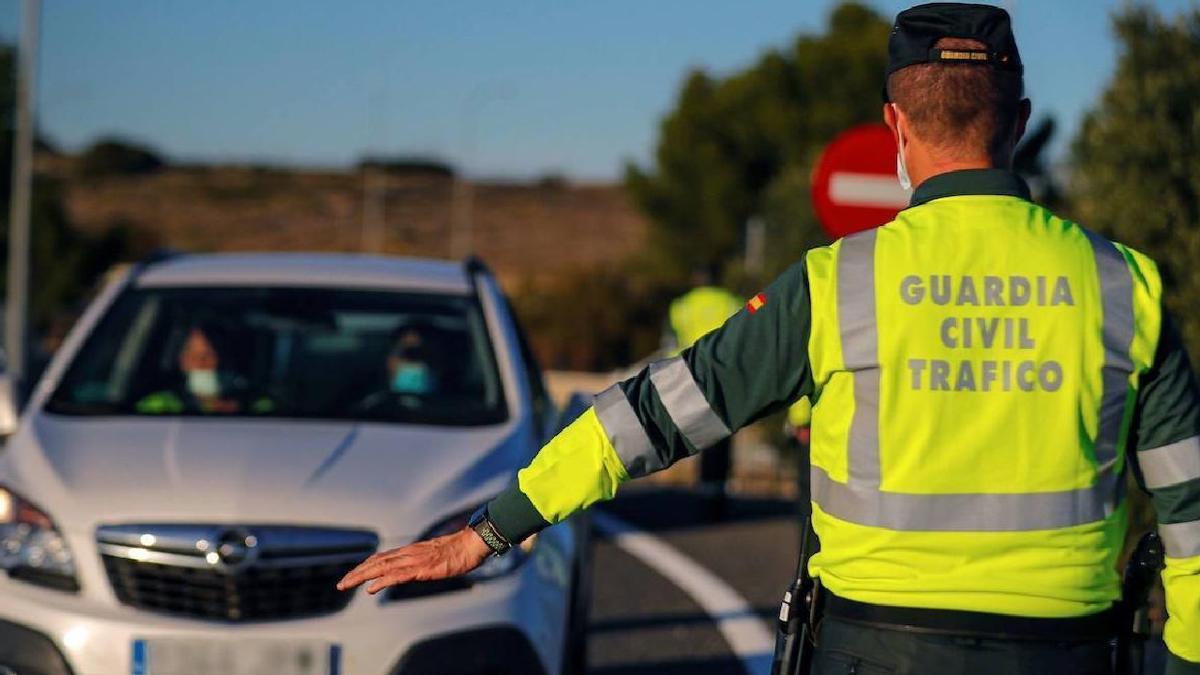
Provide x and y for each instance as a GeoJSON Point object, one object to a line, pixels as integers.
{"type": "Point", "coordinates": [983, 375]}
{"type": "Point", "coordinates": [693, 315]}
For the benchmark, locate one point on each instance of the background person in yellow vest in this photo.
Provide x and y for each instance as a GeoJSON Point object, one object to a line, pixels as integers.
{"type": "Point", "coordinates": [797, 427]}
{"type": "Point", "coordinates": [692, 316]}
{"type": "Point", "coordinates": [984, 375]}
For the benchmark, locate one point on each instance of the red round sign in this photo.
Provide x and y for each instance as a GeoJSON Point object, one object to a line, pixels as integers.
{"type": "Point", "coordinates": [854, 185]}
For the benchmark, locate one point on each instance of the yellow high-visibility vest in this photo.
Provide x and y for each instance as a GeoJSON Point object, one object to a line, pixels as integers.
{"type": "Point", "coordinates": [799, 414]}
{"type": "Point", "coordinates": [976, 364]}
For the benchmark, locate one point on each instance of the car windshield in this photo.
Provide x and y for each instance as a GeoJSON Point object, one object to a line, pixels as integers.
{"type": "Point", "coordinates": [287, 352]}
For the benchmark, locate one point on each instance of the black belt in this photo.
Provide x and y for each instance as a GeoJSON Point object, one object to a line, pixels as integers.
{"type": "Point", "coordinates": [1094, 627]}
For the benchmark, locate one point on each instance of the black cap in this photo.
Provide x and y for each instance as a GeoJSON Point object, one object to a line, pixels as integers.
{"type": "Point", "coordinates": [918, 28]}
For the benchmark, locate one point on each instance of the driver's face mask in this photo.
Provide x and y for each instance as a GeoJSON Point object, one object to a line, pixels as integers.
{"type": "Point", "coordinates": [203, 383]}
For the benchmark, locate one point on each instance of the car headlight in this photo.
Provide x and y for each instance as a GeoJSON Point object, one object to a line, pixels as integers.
{"type": "Point", "coordinates": [31, 547]}
{"type": "Point", "coordinates": [492, 568]}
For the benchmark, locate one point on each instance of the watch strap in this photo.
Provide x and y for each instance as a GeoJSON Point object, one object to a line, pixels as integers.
{"type": "Point", "coordinates": [487, 531]}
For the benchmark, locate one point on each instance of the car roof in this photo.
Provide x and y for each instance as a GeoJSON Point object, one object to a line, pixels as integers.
{"type": "Point", "coordinates": [324, 270]}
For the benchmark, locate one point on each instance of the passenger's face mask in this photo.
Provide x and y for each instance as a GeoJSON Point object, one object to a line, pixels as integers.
{"type": "Point", "coordinates": [901, 167]}
{"type": "Point", "coordinates": [203, 383]}
{"type": "Point", "coordinates": [412, 378]}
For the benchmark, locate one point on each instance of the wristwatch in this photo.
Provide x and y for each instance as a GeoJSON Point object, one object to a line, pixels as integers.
{"type": "Point", "coordinates": [486, 529]}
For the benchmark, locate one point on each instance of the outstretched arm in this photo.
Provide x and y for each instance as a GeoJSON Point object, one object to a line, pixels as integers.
{"type": "Point", "coordinates": [1167, 465]}
{"type": "Point", "coordinates": [756, 364]}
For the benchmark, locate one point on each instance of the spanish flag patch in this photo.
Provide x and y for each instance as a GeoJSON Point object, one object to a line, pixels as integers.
{"type": "Point", "coordinates": [757, 302]}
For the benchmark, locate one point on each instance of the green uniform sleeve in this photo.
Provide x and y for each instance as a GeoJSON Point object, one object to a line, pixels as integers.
{"type": "Point", "coordinates": [1167, 465]}
{"type": "Point", "coordinates": [755, 364]}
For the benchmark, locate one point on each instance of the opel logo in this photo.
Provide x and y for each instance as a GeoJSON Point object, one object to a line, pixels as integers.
{"type": "Point", "coordinates": [233, 550]}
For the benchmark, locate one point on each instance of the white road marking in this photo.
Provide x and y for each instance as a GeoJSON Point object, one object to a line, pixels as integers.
{"type": "Point", "coordinates": [747, 634]}
{"type": "Point", "coordinates": [867, 189]}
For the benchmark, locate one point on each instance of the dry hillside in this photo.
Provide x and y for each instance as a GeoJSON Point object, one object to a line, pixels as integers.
{"type": "Point", "coordinates": [528, 232]}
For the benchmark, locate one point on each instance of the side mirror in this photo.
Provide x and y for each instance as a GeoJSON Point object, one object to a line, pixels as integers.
{"type": "Point", "coordinates": [9, 410]}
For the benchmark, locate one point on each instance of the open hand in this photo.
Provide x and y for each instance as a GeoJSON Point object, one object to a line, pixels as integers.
{"type": "Point", "coordinates": [440, 558]}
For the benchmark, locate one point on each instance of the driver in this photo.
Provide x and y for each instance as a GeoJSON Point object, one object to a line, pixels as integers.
{"type": "Point", "coordinates": [203, 385]}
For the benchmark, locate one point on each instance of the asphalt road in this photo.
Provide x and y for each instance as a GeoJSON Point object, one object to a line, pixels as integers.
{"type": "Point", "coordinates": [641, 623]}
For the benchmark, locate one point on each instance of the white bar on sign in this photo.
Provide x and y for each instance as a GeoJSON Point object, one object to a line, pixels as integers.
{"type": "Point", "coordinates": [867, 189]}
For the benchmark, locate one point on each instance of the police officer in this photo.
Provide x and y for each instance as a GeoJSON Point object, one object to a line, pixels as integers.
{"type": "Point", "coordinates": [692, 316]}
{"type": "Point", "coordinates": [984, 374]}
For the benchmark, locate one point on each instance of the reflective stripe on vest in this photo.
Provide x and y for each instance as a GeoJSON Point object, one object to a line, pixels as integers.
{"type": "Point", "coordinates": [1171, 464]}
{"type": "Point", "coordinates": [685, 403]}
{"type": "Point", "coordinates": [1181, 540]}
{"type": "Point", "coordinates": [861, 500]}
{"type": "Point", "coordinates": [625, 432]}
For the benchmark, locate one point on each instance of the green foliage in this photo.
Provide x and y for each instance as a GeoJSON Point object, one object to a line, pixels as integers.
{"type": "Point", "coordinates": [594, 320]}
{"type": "Point", "coordinates": [64, 262]}
{"type": "Point", "coordinates": [1137, 156]}
{"type": "Point", "coordinates": [1029, 161]}
{"type": "Point", "coordinates": [734, 147]}
{"type": "Point", "coordinates": [744, 146]}
{"type": "Point", "coordinates": [118, 157]}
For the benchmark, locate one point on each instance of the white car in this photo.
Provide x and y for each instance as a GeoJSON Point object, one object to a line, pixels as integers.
{"type": "Point", "coordinates": [222, 437]}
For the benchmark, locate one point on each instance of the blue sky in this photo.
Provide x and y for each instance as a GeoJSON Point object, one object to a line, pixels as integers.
{"type": "Point", "coordinates": [508, 89]}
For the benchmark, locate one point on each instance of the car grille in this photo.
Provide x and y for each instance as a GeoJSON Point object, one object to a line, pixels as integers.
{"type": "Point", "coordinates": [232, 573]}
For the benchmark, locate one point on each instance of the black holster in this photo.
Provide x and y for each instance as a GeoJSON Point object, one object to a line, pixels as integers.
{"type": "Point", "coordinates": [1133, 627]}
{"type": "Point", "coordinates": [799, 614]}
{"type": "Point", "coordinates": [795, 631]}
{"type": "Point", "coordinates": [803, 601]}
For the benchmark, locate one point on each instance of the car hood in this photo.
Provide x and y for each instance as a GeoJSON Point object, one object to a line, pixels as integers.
{"type": "Point", "coordinates": [396, 480]}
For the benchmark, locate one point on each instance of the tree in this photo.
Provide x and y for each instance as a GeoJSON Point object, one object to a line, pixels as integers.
{"type": "Point", "coordinates": [1136, 174]}
{"type": "Point", "coordinates": [733, 148]}
{"type": "Point", "coordinates": [1030, 162]}
{"type": "Point", "coordinates": [408, 165]}
{"type": "Point", "coordinates": [64, 261]}
{"type": "Point", "coordinates": [119, 157]}
{"type": "Point", "coordinates": [595, 319]}
{"type": "Point", "coordinates": [744, 146]}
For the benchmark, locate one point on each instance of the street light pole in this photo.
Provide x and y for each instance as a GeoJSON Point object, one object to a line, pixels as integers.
{"type": "Point", "coordinates": [17, 303]}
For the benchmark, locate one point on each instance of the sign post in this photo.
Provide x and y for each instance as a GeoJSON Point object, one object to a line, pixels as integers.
{"type": "Point", "coordinates": [17, 302]}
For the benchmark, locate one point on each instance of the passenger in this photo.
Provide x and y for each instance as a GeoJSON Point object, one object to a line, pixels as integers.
{"type": "Point", "coordinates": [409, 361]}
{"type": "Point", "coordinates": [411, 369]}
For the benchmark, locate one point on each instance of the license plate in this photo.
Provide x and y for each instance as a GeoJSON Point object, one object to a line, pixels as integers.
{"type": "Point", "coordinates": [180, 656]}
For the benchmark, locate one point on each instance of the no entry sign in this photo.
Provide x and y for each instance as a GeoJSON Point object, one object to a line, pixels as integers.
{"type": "Point", "coordinates": [854, 185]}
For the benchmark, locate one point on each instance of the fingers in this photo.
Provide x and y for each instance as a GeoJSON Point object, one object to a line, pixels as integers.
{"type": "Point", "coordinates": [439, 558]}
{"type": "Point", "coordinates": [392, 578]}
{"type": "Point", "coordinates": [372, 567]}
{"type": "Point", "coordinates": [381, 576]}
{"type": "Point", "coordinates": [353, 578]}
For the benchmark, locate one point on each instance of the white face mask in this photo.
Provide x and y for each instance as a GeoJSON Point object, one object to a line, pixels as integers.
{"type": "Point", "coordinates": [901, 168]}
{"type": "Point", "coordinates": [902, 173]}
{"type": "Point", "coordinates": [203, 383]}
